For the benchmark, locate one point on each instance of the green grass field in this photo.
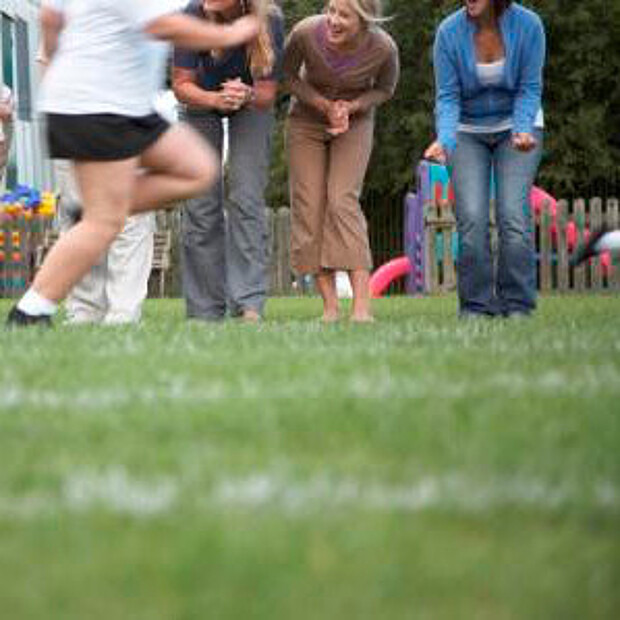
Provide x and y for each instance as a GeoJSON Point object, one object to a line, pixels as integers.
{"type": "Point", "coordinates": [420, 467]}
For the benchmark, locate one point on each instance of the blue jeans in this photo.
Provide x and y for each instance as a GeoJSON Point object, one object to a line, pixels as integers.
{"type": "Point", "coordinates": [510, 288]}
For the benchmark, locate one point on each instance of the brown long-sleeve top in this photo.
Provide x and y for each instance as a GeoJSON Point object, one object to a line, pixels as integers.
{"type": "Point", "coordinates": [313, 70]}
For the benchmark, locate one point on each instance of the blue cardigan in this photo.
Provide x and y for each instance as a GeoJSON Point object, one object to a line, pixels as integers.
{"type": "Point", "coordinates": [460, 96]}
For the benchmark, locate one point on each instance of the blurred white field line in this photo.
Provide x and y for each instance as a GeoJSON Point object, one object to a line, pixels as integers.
{"type": "Point", "coordinates": [382, 381]}
{"type": "Point", "coordinates": [450, 492]}
{"type": "Point", "coordinates": [115, 491]}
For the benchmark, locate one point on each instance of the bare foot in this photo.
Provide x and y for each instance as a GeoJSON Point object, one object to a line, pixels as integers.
{"type": "Point", "coordinates": [331, 317]}
{"type": "Point", "coordinates": [362, 318]}
{"type": "Point", "coordinates": [250, 315]}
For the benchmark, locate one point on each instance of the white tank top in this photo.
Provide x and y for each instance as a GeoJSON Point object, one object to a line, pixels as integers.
{"type": "Point", "coordinates": [491, 74]}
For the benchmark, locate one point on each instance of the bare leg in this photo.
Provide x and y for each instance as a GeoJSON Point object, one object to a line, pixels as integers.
{"type": "Point", "coordinates": [360, 312]}
{"type": "Point", "coordinates": [106, 189]}
{"type": "Point", "coordinates": [179, 165]}
{"type": "Point", "coordinates": [326, 283]}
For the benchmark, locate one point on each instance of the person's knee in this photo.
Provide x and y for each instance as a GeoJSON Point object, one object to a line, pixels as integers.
{"type": "Point", "coordinates": [108, 225]}
{"type": "Point", "coordinates": [343, 201]}
{"type": "Point", "coordinates": [203, 171]}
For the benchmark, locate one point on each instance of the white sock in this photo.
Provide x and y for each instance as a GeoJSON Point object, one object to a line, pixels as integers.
{"type": "Point", "coordinates": [34, 304]}
{"type": "Point", "coordinates": [609, 241]}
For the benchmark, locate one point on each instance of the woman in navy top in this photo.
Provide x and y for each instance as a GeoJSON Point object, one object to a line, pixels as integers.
{"type": "Point", "coordinates": [224, 248]}
{"type": "Point", "coordinates": [488, 60]}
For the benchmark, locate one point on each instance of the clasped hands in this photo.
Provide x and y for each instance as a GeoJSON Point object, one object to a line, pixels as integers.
{"type": "Point", "coordinates": [338, 114]}
{"type": "Point", "coordinates": [523, 142]}
{"type": "Point", "coordinates": [233, 95]}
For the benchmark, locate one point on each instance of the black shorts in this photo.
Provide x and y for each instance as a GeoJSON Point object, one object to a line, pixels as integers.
{"type": "Point", "coordinates": [102, 137]}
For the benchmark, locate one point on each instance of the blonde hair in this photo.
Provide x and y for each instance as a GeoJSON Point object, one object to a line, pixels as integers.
{"type": "Point", "coordinates": [260, 52]}
{"type": "Point", "coordinates": [370, 11]}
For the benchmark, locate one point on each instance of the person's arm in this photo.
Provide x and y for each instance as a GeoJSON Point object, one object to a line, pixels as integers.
{"type": "Point", "coordinates": [448, 94]}
{"type": "Point", "coordinates": [6, 103]}
{"type": "Point", "coordinates": [384, 88]}
{"type": "Point", "coordinates": [52, 22]}
{"type": "Point", "coordinates": [528, 99]}
{"type": "Point", "coordinates": [293, 83]}
{"type": "Point", "coordinates": [192, 33]}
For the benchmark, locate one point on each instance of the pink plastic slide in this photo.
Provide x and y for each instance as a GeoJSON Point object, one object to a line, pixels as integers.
{"type": "Point", "coordinates": [387, 273]}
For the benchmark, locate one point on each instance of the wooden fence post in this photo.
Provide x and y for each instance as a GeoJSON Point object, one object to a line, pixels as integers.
{"type": "Point", "coordinates": [596, 221]}
{"type": "Point", "coordinates": [449, 273]}
{"type": "Point", "coordinates": [579, 213]}
{"type": "Point", "coordinates": [563, 268]}
{"type": "Point", "coordinates": [544, 247]}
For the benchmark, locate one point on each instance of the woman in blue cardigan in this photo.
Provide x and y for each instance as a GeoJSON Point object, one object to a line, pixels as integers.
{"type": "Point", "coordinates": [488, 60]}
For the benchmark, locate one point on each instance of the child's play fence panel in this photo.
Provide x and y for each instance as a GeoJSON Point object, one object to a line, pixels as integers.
{"type": "Point", "coordinates": [431, 238]}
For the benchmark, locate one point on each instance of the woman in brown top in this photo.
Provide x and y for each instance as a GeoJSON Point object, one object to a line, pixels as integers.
{"type": "Point", "coordinates": [338, 66]}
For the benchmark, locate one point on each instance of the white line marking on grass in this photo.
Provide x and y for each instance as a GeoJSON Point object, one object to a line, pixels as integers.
{"type": "Point", "coordinates": [115, 490]}
{"type": "Point", "coordinates": [380, 383]}
{"type": "Point", "coordinates": [450, 493]}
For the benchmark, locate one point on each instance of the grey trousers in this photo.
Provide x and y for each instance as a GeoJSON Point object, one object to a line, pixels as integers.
{"type": "Point", "coordinates": [224, 233]}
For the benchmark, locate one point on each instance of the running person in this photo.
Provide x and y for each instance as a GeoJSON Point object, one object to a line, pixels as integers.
{"type": "Point", "coordinates": [107, 59]}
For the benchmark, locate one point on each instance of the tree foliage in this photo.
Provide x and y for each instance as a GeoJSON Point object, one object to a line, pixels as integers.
{"type": "Point", "coordinates": [581, 97]}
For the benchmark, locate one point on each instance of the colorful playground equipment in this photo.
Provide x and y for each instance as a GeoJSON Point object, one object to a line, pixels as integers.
{"type": "Point", "coordinates": [431, 239]}
{"type": "Point", "coordinates": [25, 215]}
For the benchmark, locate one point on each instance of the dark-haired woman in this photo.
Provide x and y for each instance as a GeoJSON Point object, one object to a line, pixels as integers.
{"type": "Point", "coordinates": [224, 259]}
{"type": "Point", "coordinates": [488, 60]}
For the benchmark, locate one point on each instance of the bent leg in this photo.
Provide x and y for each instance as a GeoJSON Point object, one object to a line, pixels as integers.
{"type": "Point", "coordinates": [203, 237]}
{"type": "Point", "coordinates": [250, 146]}
{"type": "Point", "coordinates": [345, 232]}
{"type": "Point", "coordinates": [106, 189]}
{"type": "Point", "coordinates": [308, 160]}
{"type": "Point", "coordinates": [516, 270]}
{"type": "Point", "coordinates": [179, 165]}
{"type": "Point", "coordinates": [471, 176]}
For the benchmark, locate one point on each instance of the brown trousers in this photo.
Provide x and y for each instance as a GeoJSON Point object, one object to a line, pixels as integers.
{"type": "Point", "coordinates": [328, 228]}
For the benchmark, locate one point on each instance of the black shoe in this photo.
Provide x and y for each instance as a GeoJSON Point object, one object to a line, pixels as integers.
{"type": "Point", "coordinates": [588, 249]}
{"type": "Point", "coordinates": [17, 319]}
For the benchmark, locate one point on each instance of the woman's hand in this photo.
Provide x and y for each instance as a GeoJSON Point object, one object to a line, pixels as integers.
{"type": "Point", "coordinates": [234, 94]}
{"type": "Point", "coordinates": [437, 153]}
{"type": "Point", "coordinates": [524, 142]}
{"type": "Point", "coordinates": [339, 116]}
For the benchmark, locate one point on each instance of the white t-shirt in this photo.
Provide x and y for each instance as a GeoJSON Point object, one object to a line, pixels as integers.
{"type": "Point", "coordinates": [105, 63]}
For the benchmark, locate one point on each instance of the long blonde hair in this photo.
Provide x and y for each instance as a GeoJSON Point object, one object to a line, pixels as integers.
{"type": "Point", "coordinates": [260, 52]}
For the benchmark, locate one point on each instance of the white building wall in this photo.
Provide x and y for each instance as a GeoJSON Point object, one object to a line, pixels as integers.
{"type": "Point", "coordinates": [33, 168]}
